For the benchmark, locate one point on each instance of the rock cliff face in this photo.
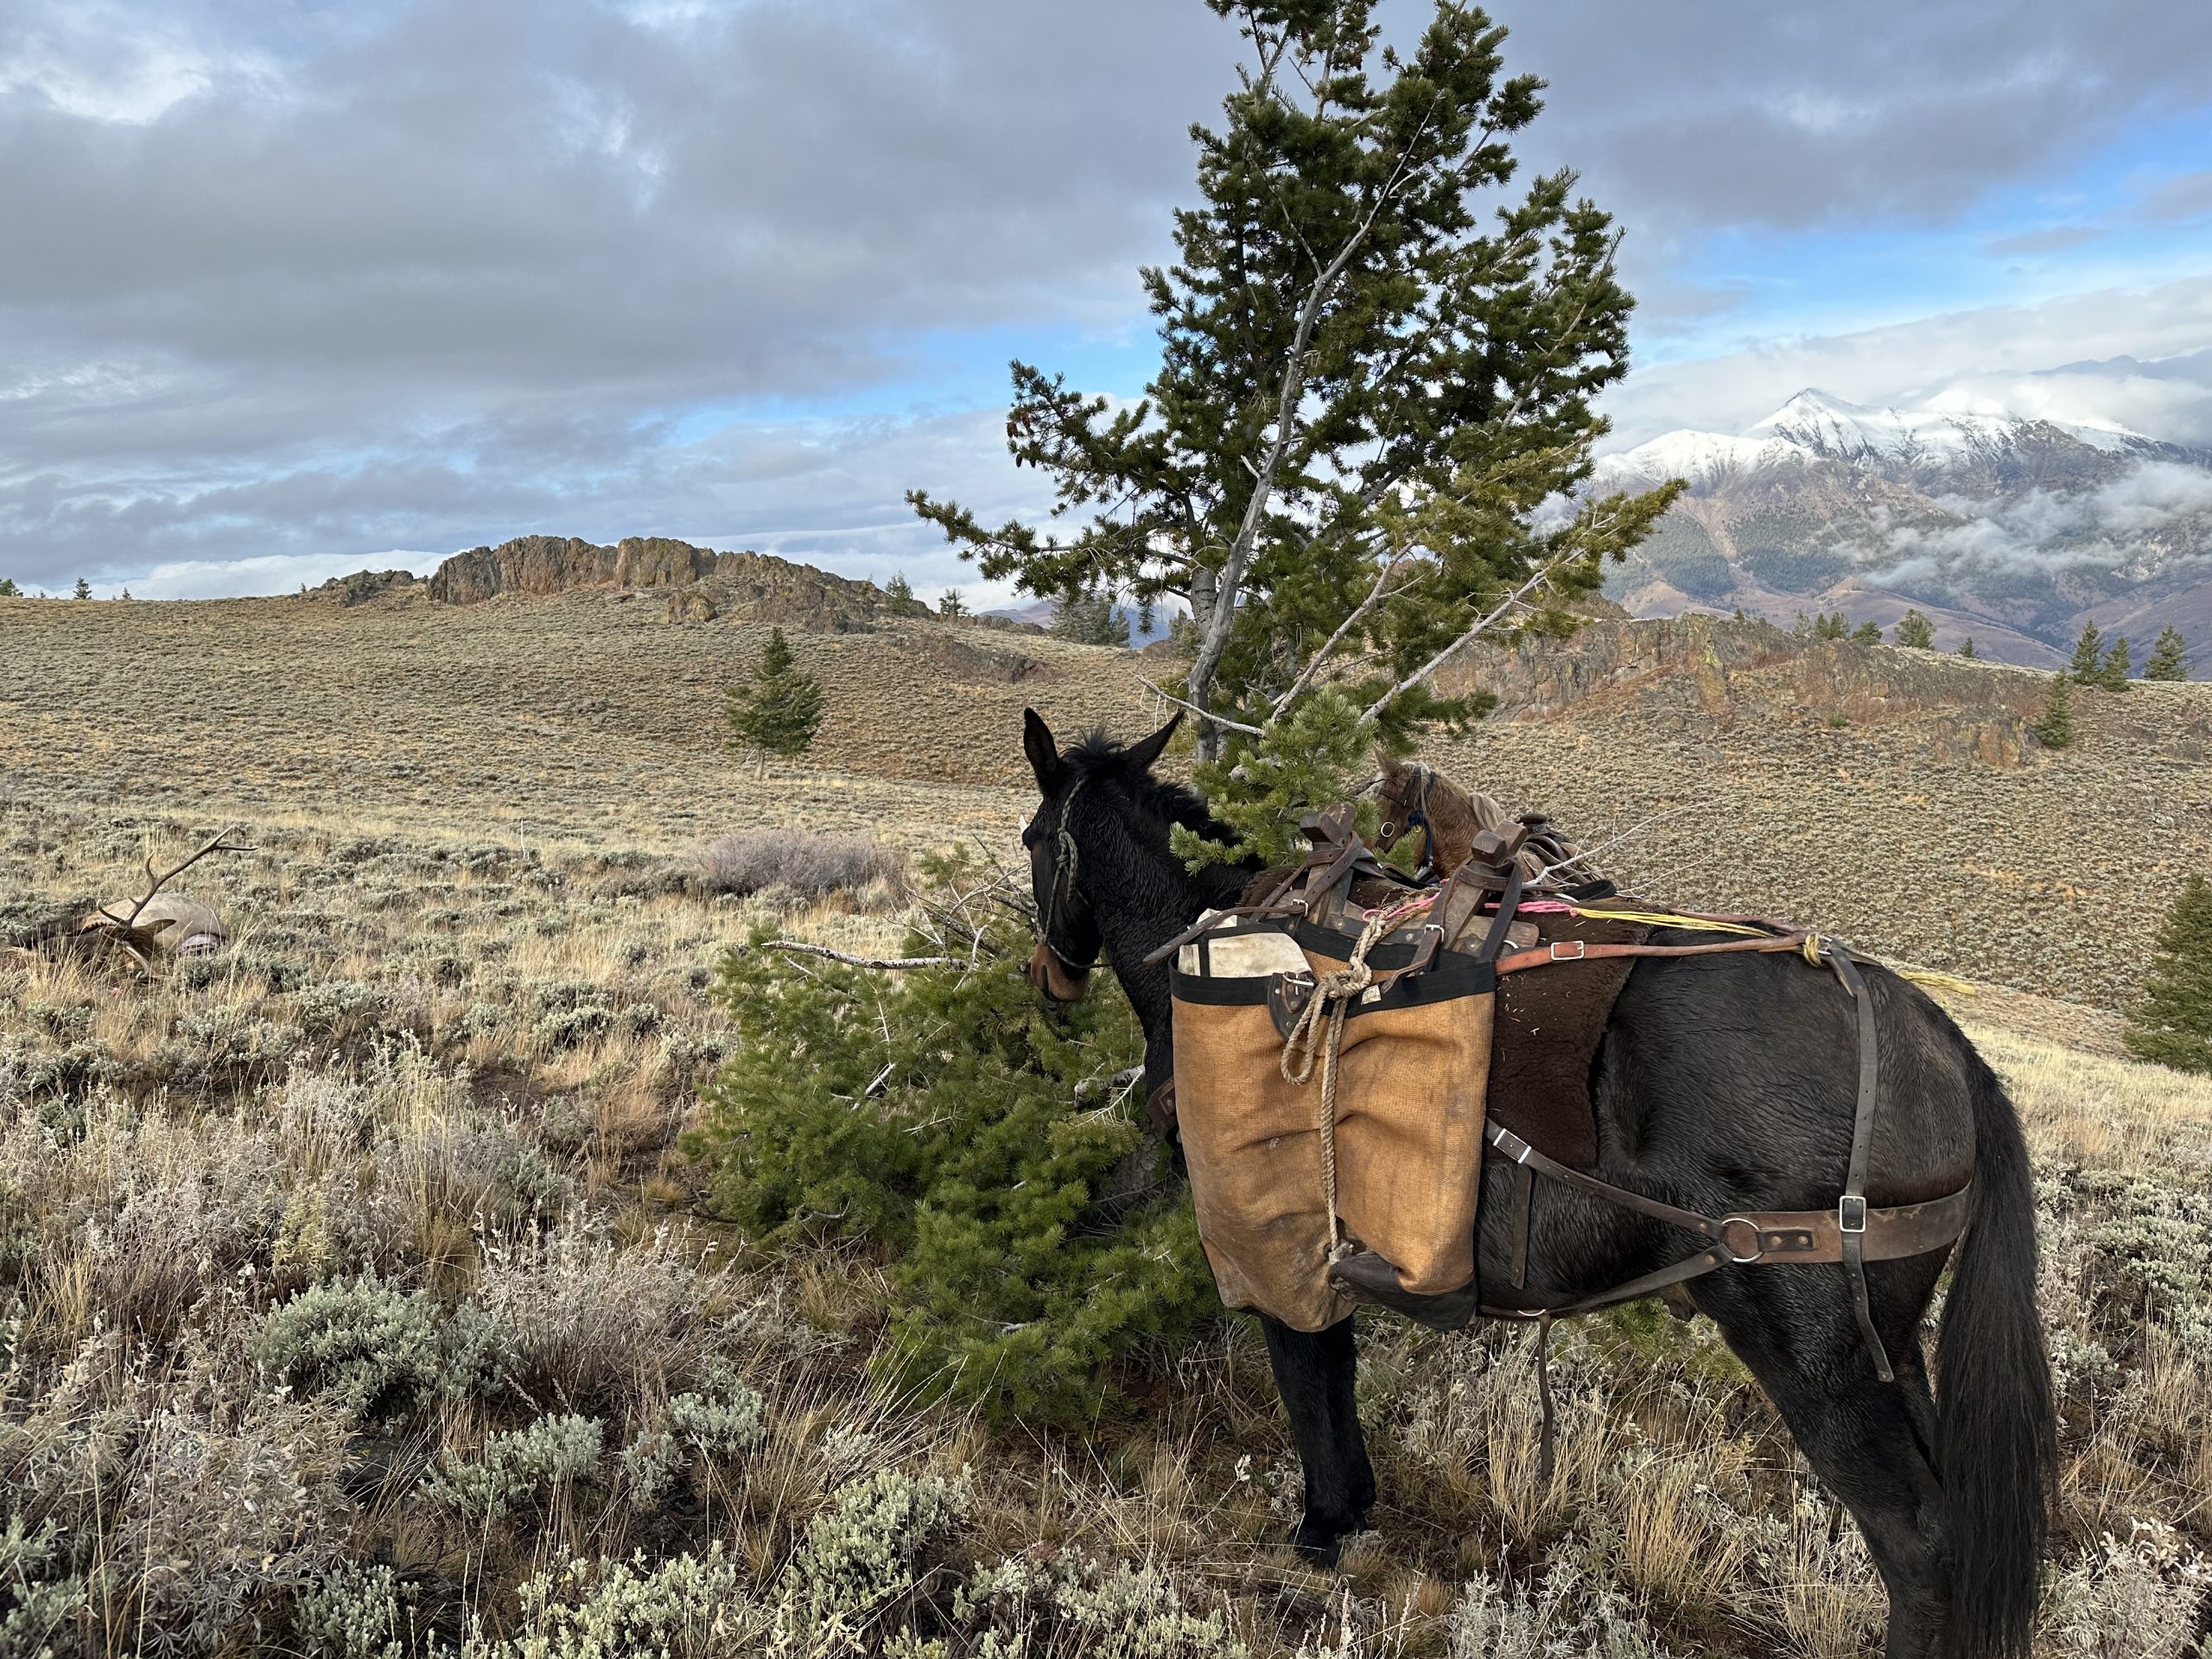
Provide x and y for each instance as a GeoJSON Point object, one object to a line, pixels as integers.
{"type": "Point", "coordinates": [706, 584]}
{"type": "Point", "coordinates": [1729, 671]}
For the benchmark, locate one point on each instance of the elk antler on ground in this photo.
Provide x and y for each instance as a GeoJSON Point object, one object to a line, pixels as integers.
{"type": "Point", "coordinates": [109, 927]}
{"type": "Point", "coordinates": [221, 843]}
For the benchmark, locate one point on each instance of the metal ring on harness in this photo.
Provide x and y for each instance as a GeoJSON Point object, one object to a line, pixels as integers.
{"type": "Point", "coordinates": [1759, 1246]}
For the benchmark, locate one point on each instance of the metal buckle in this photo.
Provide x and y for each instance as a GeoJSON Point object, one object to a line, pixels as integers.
{"type": "Point", "coordinates": [1569, 949]}
{"type": "Point", "coordinates": [1851, 1214]}
{"type": "Point", "coordinates": [1758, 1248]}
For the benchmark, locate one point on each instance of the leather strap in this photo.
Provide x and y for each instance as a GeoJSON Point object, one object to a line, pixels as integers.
{"type": "Point", "coordinates": [1159, 1107]}
{"type": "Point", "coordinates": [1524, 1202]}
{"type": "Point", "coordinates": [1576, 950]}
{"type": "Point", "coordinates": [1772, 1237]}
{"type": "Point", "coordinates": [1851, 1208]}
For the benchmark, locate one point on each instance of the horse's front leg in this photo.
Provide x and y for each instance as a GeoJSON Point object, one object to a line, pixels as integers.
{"type": "Point", "coordinates": [1314, 1373]}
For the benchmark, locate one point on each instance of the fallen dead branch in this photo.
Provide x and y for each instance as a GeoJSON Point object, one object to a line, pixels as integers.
{"type": "Point", "coordinates": [800, 947]}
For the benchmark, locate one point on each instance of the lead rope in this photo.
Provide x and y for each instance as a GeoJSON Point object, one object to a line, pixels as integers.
{"type": "Point", "coordinates": [1333, 995]}
{"type": "Point", "coordinates": [1064, 869]}
{"type": "Point", "coordinates": [1546, 1440]}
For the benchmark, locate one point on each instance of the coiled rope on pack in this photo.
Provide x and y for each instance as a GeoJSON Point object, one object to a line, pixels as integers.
{"type": "Point", "coordinates": [1320, 1033]}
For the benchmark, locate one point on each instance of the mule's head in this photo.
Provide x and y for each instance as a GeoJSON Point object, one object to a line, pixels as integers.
{"type": "Point", "coordinates": [1068, 937]}
{"type": "Point", "coordinates": [1400, 799]}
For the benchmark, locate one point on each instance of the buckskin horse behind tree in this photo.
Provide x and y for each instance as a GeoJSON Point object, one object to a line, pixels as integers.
{"type": "Point", "coordinates": [1721, 1085]}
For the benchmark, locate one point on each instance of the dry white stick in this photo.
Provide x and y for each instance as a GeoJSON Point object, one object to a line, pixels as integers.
{"type": "Point", "coordinates": [1202, 713]}
{"type": "Point", "coordinates": [801, 948]}
{"type": "Point", "coordinates": [1117, 1083]}
{"type": "Point", "coordinates": [1614, 840]}
{"type": "Point", "coordinates": [1376, 596]}
{"type": "Point", "coordinates": [1215, 641]}
{"type": "Point", "coordinates": [1542, 573]}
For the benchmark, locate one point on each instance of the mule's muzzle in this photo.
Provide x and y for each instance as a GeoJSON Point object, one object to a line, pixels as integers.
{"type": "Point", "coordinates": [1054, 977]}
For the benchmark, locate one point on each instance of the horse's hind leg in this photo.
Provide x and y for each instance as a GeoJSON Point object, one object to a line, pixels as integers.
{"type": "Point", "coordinates": [1868, 1439]}
{"type": "Point", "coordinates": [1314, 1373]}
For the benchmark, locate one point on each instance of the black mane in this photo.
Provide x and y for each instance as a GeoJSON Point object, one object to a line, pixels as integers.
{"type": "Point", "coordinates": [1094, 758]}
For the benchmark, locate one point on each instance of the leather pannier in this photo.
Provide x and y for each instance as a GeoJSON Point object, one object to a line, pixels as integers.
{"type": "Point", "coordinates": [1410, 1081]}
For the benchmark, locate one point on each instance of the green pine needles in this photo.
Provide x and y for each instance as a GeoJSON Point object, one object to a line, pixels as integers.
{"type": "Point", "coordinates": [1915, 632]}
{"type": "Point", "coordinates": [1092, 618]}
{"type": "Point", "coordinates": [1034, 1238]}
{"type": "Point", "coordinates": [2098, 663]}
{"type": "Point", "coordinates": [777, 714]}
{"type": "Point", "coordinates": [2169, 657]}
{"type": "Point", "coordinates": [1379, 353]}
{"type": "Point", "coordinates": [2055, 730]}
{"type": "Point", "coordinates": [2172, 1025]}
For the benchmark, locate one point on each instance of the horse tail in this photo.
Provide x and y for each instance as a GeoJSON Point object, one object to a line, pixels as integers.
{"type": "Point", "coordinates": [1996, 1448]}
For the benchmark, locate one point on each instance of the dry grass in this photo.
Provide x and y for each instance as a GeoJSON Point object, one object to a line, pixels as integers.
{"type": "Point", "coordinates": [445, 1066]}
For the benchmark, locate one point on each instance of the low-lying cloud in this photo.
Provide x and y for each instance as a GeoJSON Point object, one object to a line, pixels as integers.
{"type": "Point", "coordinates": [2153, 510]}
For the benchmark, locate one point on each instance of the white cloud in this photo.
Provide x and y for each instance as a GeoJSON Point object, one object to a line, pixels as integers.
{"type": "Point", "coordinates": [2002, 357]}
{"type": "Point", "coordinates": [275, 573]}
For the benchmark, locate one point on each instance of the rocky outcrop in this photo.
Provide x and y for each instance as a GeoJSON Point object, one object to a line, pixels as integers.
{"type": "Point", "coordinates": [742, 587]}
{"type": "Point", "coordinates": [1722, 669]}
{"type": "Point", "coordinates": [1686, 658]}
{"type": "Point", "coordinates": [362, 586]}
{"type": "Point", "coordinates": [540, 565]}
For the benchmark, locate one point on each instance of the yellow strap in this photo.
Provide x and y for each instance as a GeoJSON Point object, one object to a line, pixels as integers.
{"type": "Point", "coordinates": [1667, 918]}
{"type": "Point", "coordinates": [1947, 982]}
{"type": "Point", "coordinates": [1936, 982]}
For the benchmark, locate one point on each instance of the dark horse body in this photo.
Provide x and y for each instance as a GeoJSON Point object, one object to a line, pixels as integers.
{"type": "Point", "coordinates": [1722, 1085]}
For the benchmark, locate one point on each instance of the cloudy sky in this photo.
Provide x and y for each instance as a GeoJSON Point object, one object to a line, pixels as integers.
{"type": "Point", "coordinates": [288, 289]}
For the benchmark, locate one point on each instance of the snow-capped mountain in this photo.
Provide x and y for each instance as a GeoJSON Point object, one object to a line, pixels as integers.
{"type": "Point", "coordinates": [1816, 425]}
{"type": "Point", "coordinates": [2011, 528]}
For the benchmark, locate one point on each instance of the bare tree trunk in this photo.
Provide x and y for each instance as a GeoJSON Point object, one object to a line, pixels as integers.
{"type": "Point", "coordinates": [1205, 591]}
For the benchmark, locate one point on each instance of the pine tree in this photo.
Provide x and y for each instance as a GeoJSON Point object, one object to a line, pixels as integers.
{"type": "Point", "coordinates": [1915, 630]}
{"type": "Point", "coordinates": [2113, 672]}
{"type": "Point", "coordinates": [1965, 646]}
{"type": "Point", "coordinates": [84, 589]}
{"type": "Point", "coordinates": [2172, 1025]}
{"type": "Point", "coordinates": [2087, 667]}
{"type": "Point", "coordinates": [898, 594]}
{"type": "Point", "coordinates": [1867, 633]}
{"type": "Point", "coordinates": [1091, 618]}
{"type": "Point", "coordinates": [1831, 624]}
{"type": "Point", "coordinates": [1378, 357]}
{"type": "Point", "coordinates": [950, 604]}
{"type": "Point", "coordinates": [777, 714]}
{"type": "Point", "coordinates": [9, 589]}
{"type": "Point", "coordinates": [126, 593]}
{"type": "Point", "coordinates": [2168, 659]}
{"type": "Point", "coordinates": [2056, 729]}
{"type": "Point", "coordinates": [940, 1115]}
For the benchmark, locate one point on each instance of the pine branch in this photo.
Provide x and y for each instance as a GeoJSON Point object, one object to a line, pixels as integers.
{"type": "Point", "coordinates": [1231, 579]}
{"type": "Point", "coordinates": [1483, 625]}
{"type": "Point", "coordinates": [1375, 597]}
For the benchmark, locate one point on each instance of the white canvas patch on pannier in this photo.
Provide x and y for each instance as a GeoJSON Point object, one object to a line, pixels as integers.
{"type": "Point", "coordinates": [1242, 955]}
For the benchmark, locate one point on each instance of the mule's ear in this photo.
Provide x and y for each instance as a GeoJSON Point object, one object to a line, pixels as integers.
{"type": "Point", "coordinates": [1383, 763]}
{"type": "Point", "coordinates": [1145, 750]}
{"type": "Point", "coordinates": [1044, 752]}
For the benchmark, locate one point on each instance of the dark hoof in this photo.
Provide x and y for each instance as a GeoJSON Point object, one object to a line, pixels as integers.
{"type": "Point", "coordinates": [1317, 1546]}
{"type": "Point", "coordinates": [1322, 1543]}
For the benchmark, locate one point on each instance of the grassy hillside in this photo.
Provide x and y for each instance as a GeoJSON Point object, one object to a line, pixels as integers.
{"type": "Point", "coordinates": [587, 713]}
{"type": "Point", "coordinates": [358, 1301]}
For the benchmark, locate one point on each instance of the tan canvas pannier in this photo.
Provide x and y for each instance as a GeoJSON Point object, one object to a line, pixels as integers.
{"type": "Point", "coordinates": [1411, 1072]}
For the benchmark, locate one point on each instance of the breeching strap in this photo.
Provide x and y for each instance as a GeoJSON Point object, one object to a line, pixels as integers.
{"type": "Point", "coordinates": [1851, 1234]}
